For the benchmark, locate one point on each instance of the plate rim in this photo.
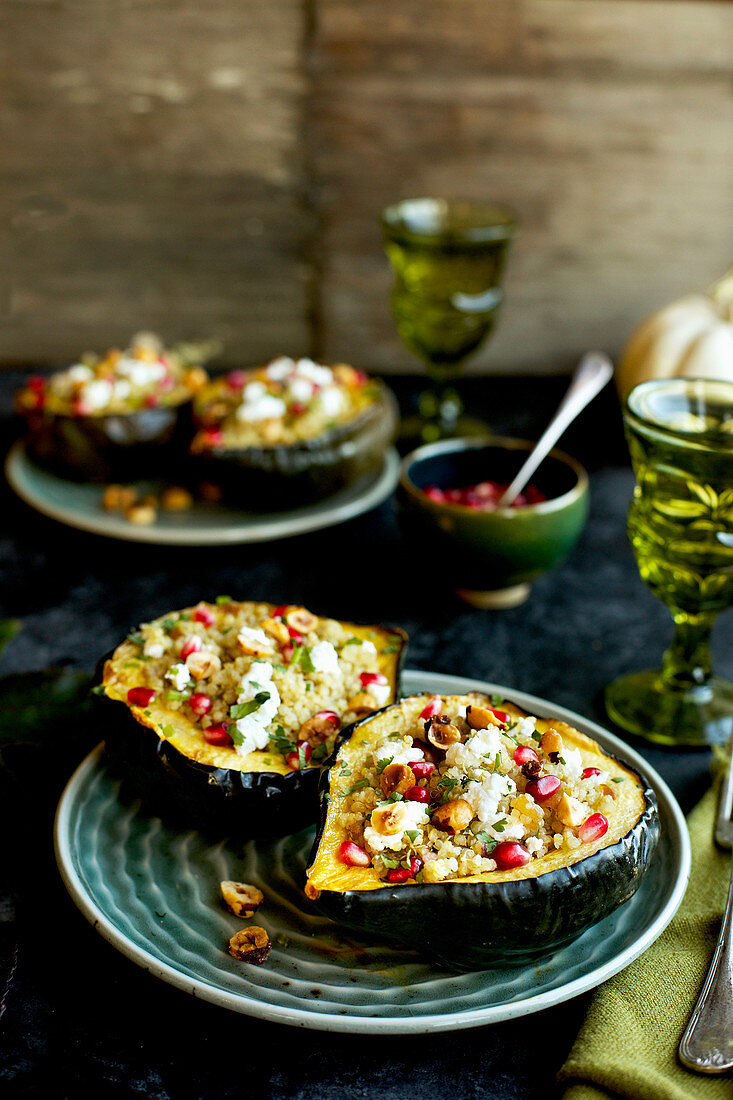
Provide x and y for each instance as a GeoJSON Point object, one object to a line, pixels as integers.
{"type": "Point", "coordinates": [254, 530]}
{"type": "Point", "coordinates": [426, 1023]}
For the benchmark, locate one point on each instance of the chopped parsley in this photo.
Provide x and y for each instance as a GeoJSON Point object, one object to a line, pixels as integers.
{"type": "Point", "coordinates": [98, 689]}
{"type": "Point", "coordinates": [396, 736]}
{"type": "Point", "coordinates": [358, 786]}
{"type": "Point", "coordinates": [177, 696]}
{"type": "Point", "coordinates": [390, 799]}
{"type": "Point", "coordinates": [353, 641]}
{"type": "Point", "coordinates": [320, 751]}
{"type": "Point", "coordinates": [168, 732]}
{"type": "Point", "coordinates": [280, 742]}
{"type": "Point", "coordinates": [382, 764]}
{"type": "Point", "coordinates": [412, 834]}
{"type": "Point", "coordinates": [392, 648]}
{"type": "Point", "coordinates": [392, 864]}
{"type": "Point", "coordinates": [302, 762]}
{"type": "Point", "coordinates": [345, 770]}
{"type": "Point", "coordinates": [617, 779]}
{"type": "Point", "coordinates": [499, 825]}
{"type": "Point", "coordinates": [131, 664]}
{"type": "Point", "coordinates": [241, 710]}
{"type": "Point", "coordinates": [302, 656]}
{"type": "Point", "coordinates": [220, 600]}
{"type": "Point", "coordinates": [168, 624]}
{"type": "Point", "coordinates": [536, 736]}
{"type": "Point", "coordinates": [488, 842]}
{"type": "Point", "coordinates": [308, 685]}
{"type": "Point", "coordinates": [496, 700]}
{"type": "Point", "coordinates": [136, 638]}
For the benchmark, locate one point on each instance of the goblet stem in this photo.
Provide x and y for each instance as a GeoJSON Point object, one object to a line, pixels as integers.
{"type": "Point", "coordinates": [687, 662]}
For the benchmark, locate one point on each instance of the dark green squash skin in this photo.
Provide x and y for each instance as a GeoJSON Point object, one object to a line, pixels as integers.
{"type": "Point", "coordinates": [278, 477]}
{"type": "Point", "coordinates": [146, 443]}
{"type": "Point", "coordinates": [471, 926]}
{"type": "Point", "coordinates": [219, 801]}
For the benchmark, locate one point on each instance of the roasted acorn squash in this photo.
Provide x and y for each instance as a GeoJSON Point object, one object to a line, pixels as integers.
{"type": "Point", "coordinates": [274, 475]}
{"type": "Point", "coordinates": [496, 918]}
{"type": "Point", "coordinates": [120, 447]}
{"type": "Point", "coordinates": [161, 745]}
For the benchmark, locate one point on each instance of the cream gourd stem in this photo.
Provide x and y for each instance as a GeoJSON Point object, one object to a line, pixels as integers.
{"type": "Point", "coordinates": [592, 374]}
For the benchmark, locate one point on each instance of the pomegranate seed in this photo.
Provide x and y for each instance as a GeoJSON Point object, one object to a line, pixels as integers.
{"type": "Point", "coordinates": [510, 854]}
{"type": "Point", "coordinates": [402, 874]}
{"type": "Point", "coordinates": [236, 379]}
{"type": "Point", "coordinates": [213, 437]}
{"type": "Point", "coordinates": [287, 653]}
{"type": "Point", "coordinates": [36, 383]}
{"type": "Point", "coordinates": [293, 758]}
{"type": "Point", "coordinates": [432, 708]}
{"type": "Point", "coordinates": [217, 735]}
{"type": "Point", "coordinates": [204, 615]}
{"type": "Point", "coordinates": [501, 715]}
{"type": "Point", "coordinates": [151, 401]}
{"type": "Point", "coordinates": [199, 703]}
{"type": "Point", "coordinates": [192, 644]}
{"type": "Point", "coordinates": [167, 383]}
{"type": "Point", "coordinates": [544, 788]}
{"type": "Point", "coordinates": [140, 697]}
{"type": "Point", "coordinates": [297, 408]}
{"type": "Point", "coordinates": [372, 678]}
{"type": "Point", "coordinates": [421, 769]}
{"type": "Point", "coordinates": [360, 377]}
{"type": "Point", "coordinates": [295, 635]}
{"type": "Point", "coordinates": [592, 828]}
{"type": "Point", "coordinates": [434, 493]}
{"type": "Point", "coordinates": [353, 855]}
{"type": "Point", "coordinates": [328, 716]}
{"type": "Point", "coordinates": [589, 772]}
{"type": "Point", "coordinates": [80, 408]}
{"type": "Point", "coordinates": [417, 794]}
{"type": "Point", "coordinates": [523, 754]}
{"type": "Point", "coordinates": [39, 400]}
{"type": "Point", "coordinates": [278, 612]}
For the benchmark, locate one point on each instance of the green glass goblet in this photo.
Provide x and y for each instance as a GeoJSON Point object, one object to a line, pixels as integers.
{"type": "Point", "coordinates": [680, 434]}
{"type": "Point", "coordinates": [448, 258]}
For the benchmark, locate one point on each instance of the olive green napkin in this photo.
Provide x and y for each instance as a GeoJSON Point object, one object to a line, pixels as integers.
{"type": "Point", "coordinates": [627, 1046]}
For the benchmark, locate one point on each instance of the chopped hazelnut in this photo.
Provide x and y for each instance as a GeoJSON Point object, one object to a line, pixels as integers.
{"type": "Point", "coordinates": [241, 898]}
{"type": "Point", "coordinates": [176, 499]}
{"type": "Point", "coordinates": [203, 664]}
{"type": "Point", "coordinates": [570, 811]}
{"type": "Point", "coordinates": [251, 944]}
{"type": "Point", "coordinates": [453, 817]}
{"type": "Point", "coordinates": [396, 777]}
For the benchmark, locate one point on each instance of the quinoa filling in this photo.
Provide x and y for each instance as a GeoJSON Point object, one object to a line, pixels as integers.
{"type": "Point", "coordinates": [465, 789]}
{"type": "Point", "coordinates": [145, 375]}
{"type": "Point", "coordinates": [250, 680]}
{"type": "Point", "coordinates": [286, 401]}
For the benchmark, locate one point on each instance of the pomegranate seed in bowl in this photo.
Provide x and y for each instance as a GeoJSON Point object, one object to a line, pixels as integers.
{"type": "Point", "coordinates": [588, 772]}
{"type": "Point", "coordinates": [593, 828]}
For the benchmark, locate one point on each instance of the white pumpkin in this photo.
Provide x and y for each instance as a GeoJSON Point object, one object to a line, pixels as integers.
{"type": "Point", "coordinates": [691, 338]}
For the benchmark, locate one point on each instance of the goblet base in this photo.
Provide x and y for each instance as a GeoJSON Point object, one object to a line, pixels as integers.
{"type": "Point", "coordinates": [644, 705]}
{"type": "Point", "coordinates": [496, 599]}
{"type": "Point", "coordinates": [416, 431]}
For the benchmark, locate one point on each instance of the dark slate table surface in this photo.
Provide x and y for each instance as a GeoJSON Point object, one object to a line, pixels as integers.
{"type": "Point", "coordinates": [77, 1018]}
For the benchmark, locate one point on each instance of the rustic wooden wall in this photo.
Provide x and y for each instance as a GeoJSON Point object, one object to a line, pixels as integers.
{"type": "Point", "coordinates": [218, 168]}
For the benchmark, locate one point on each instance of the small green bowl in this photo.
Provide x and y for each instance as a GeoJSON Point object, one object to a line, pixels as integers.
{"type": "Point", "coordinates": [491, 558]}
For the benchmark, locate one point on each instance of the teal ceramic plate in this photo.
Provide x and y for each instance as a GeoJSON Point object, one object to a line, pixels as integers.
{"type": "Point", "coordinates": [79, 505]}
{"type": "Point", "coordinates": [153, 893]}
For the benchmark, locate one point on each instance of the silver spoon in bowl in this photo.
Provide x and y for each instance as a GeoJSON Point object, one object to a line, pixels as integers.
{"type": "Point", "coordinates": [591, 375]}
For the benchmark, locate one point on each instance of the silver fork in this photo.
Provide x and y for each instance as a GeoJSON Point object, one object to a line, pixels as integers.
{"type": "Point", "coordinates": [707, 1045]}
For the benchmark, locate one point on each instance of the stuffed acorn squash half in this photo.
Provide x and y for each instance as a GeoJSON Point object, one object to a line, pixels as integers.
{"type": "Point", "coordinates": [290, 432]}
{"type": "Point", "coordinates": [221, 714]}
{"type": "Point", "coordinates": [474, 833]}
{"type": "Point", "coordinates": [122, 416]}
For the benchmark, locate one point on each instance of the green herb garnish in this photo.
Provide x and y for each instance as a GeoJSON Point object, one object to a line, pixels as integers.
{"type": "Point", "coordinates": [220, 600]}
{"type": "Point", "coordinates": [241, 710]}
{"type": "Point", "coordinates": [358, 786]}
{"type": "Point", "coordinates": [382, 764]}
{"type": "Point", "coordinates": [354, 641]}
{"type": "Point", "coordinates": [617, 779]}
{"type": "Point", "coordinates": [488, 841]}
{"type": "Point", "coordinates": [412, 833]}
{"type": "Point", "coordinates": [136, 638]}
{"type": "Point", "coordinates": [168, 732]}
{"type": "Point", "coordinates": [499, 825]}
{"type": "Point", "coordinates": [496, 700]}
{"type": "Point", "coordinates": [279, 742]}
{"type": "Point", "coordinates": [98, 689]}
{"type": "Point", "coordinates": [177, 696]}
